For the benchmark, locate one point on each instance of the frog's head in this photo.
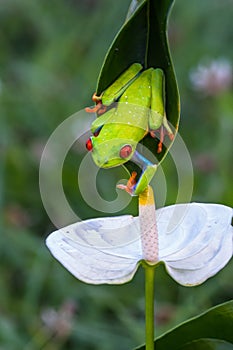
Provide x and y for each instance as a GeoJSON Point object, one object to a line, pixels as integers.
{"type": "Point", "coordinates": [110, 153]}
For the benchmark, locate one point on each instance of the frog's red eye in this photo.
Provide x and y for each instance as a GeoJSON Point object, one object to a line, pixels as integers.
{"type": "Point", "coordinates": [125, 151]}
{"type": "Point", "coordinates": [89, 145]}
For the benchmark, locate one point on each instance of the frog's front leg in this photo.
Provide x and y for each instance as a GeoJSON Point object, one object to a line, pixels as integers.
{"type": "Point", "coordinates": [99, 108]}
{"type": "Point", "coordinates": [157, 118]}
{"type": "Point", "coordinates": [114, 91]}
{"type": "Point", "coordinates": [134, 187]}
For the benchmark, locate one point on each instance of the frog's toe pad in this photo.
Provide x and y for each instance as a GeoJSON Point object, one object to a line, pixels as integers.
{"type": "Point", "coordinates": [126, 188]}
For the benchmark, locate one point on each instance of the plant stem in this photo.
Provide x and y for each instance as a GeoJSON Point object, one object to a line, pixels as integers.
{"type": "Point", "coordinates": [149, 305]}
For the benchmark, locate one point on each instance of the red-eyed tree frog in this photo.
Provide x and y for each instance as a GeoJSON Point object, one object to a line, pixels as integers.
{"type": "Point", "coordinates": [129, 109]}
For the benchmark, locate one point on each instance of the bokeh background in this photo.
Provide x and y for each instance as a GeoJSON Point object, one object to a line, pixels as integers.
{"type": "Point", "coordinates": [50, 57]}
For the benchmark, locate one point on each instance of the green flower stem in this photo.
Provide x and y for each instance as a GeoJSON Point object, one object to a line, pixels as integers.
{"type": "Point", "coordinates": [149, 305]}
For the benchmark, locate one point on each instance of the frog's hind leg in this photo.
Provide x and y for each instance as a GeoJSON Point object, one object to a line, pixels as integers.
{"type": "Point", "coordinates": [158, 122]}
{"type": "Point", "coordinates": [161, 132]}
{"type": "Point", "coordinates": [161, 139]}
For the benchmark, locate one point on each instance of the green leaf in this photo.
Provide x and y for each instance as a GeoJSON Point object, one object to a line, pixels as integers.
{"type": "Point", "coordinates": [208, 344]}
{"type": "Point", "coordinates": [215, 324]}
{"type": "Point", "coordinates": [143, 39]}
{"type": "Point", "coordinates": [134, 5]}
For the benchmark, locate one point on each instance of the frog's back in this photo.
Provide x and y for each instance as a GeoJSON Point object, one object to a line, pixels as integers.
{"type": "Point", "coordinates": [139, 92]}
{"type": "Point", "coordinates": [129, 121]}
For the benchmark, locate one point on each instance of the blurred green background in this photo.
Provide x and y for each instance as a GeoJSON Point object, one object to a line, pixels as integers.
{"type": "Point", "coordinates": [50, 57]}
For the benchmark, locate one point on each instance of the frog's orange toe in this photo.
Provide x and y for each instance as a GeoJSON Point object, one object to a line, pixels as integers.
{"type": "Point", "coordinates": [129, 188]}
{"type": "Point", "coordinates": [160, 147]}
{"type": "Point", "coordinates": [96, 98]}
{"type": "Point", "coordinates": [91, 109]}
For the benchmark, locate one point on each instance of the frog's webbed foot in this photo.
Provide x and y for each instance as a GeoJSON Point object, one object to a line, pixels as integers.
{"type": "Point", "coordinates": [129, 187]}
{"type": "Point", "coordinates": [99, 107]}
{"type": "Point", "coordinates": [162, 132]}
{"type": "Point", "coordinates": [134, 187]}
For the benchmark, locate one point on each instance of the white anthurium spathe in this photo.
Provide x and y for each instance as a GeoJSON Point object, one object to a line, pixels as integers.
{"type": "Point", "coordinates": [193, 240]}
